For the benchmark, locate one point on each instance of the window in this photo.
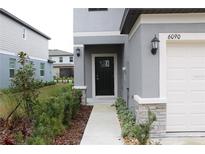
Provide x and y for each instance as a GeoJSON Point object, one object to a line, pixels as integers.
{"type": "Point", "coordinates": [97, 9]}
{"type": "Point", "coordinates": [32, 63]}
{"type": "Point", "coordinates": [42, 69]}
{"type": "Point", "coordinates": [24, 33]}
{"type": "Point", "coordinates": [71, 59]}
{"type": "Point", "coordinates": [60, 59]}
{"type": "Point", "coordinates": [12, 67]}
{"type": "Point", "coordinates": [104, 63]}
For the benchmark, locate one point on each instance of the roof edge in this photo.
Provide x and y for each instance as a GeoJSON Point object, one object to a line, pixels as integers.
{"type": "Point", "coordinates": [13, 17]}
{"type": "Point", "coordinates": [132, 14]}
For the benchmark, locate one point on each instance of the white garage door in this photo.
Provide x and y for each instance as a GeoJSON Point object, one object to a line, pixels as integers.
{"type": "Point", "coordinates": [186, 86]}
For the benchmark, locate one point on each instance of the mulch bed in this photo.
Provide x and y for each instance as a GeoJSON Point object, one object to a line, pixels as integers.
{"type": "Point", "coordinates": [7, 131]}
{"type": "Point", "coordinates": [72, 135]}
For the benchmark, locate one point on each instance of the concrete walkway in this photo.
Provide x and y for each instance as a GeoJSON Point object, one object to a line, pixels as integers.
{"type": "Point", "coordinates": [103, 127]}
{"type": "Point", "coordinates": [183, 141]}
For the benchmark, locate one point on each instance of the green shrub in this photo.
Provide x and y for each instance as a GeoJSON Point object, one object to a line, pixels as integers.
{"type": "Point", "coordinates": [72, 104]}
{"type": "Point", "coordinates": [76, 100]}
{"type": "Point", "coordinates": [37, 140]}
{"type": "Point", "coordinates": [19, 137]}
{"type": "Point", "coordinates": [131, 129]}
{"type": "Point", "coordinates": [41, 83]}
{"type": "Point", "coordinates": [52, 115]}
{"type": "Point", "coordinates": [48, 115]}
{"type": "Point", "coordinates": [67, 109]}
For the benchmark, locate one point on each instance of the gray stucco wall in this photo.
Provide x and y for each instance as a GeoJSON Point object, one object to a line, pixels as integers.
{"type": "Point", "coordinates": [144, 67]}
{"type": "Point", "coordinates": [133, 64]}
{"type": "Point", "coordinates": [97, 21]}
{"type": "Point", "coordinates": [101, 42]}
{"type": "Point", "coordinates": [4, 70]}
{"type": "Point", "coordinates": [116, 39]}
{"type": "Point", "coordinates": [79, 66]}
{"type": "Point", "coordinates": [150, 65]}
{"type": "Point", "coordinates": [144, 70]}
{"type": "Point", "coordinates": [11, 39]}
{"type": "Point", "coordinates": [97, 49]}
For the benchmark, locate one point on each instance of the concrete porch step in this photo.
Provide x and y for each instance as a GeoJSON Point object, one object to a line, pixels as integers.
{"type": "Point", "coordinates": [105, 100]}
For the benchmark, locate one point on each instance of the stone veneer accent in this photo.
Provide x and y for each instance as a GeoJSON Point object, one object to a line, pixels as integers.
{"type": "Point", "coordinates": [83, 90]}
{"type": "Point", "coordinates": [83, 98]}
{"type": "Point", "coordinates": [159, 126]}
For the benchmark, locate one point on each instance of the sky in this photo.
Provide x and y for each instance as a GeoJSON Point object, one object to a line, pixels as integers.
{"type": "Point", "coordinates": [53, 18]}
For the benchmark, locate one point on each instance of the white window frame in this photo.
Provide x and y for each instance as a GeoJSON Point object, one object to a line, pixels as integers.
{"type": "Point", "coordinates": [115, 75]}
{"type": "Point", "coordinates": [13, 68]}
{"type": "Point", "coordinates": [71, 57]}
{"type": "Point", "coordinates": [24, 34]}
{"type": "Point", "coordinates": [61, 59]}
{"type": "Point", "coordinates": [42, 70]}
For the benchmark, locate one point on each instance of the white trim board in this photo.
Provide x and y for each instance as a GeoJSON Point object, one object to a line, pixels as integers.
{"type": "Point", "coordinates": [101, 100]}
{"type": "Point", "coordinates": [140, 100]}
{"type": "Point", "coordinates": [167, 18]}
{"type": "Point", "coordinates": [15, 54]}
{"type": "Point", "coordinates": [104, 33]}
{"type": "Point", "coordinates": [164, 38]}
{"type": "Point", "coordinates": [35, 58]}
{"type": "Point", "coordinates": [7, 53]}
{"type": "Point", "coordinates": [78, 45]}
{"type": "Point", "coordinates": [80, 87]}
{"type": "Point", "coordinates": [115, 74]}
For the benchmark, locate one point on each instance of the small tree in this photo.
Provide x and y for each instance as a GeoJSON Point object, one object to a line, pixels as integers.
{"type": "Point", "coordinates": [24, 83]}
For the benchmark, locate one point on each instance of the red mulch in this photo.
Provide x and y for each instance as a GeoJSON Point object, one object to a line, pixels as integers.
{"type": "Point", "coordinates": [7, 131]}
{"type": "Point", "coordinates": [74, 134]}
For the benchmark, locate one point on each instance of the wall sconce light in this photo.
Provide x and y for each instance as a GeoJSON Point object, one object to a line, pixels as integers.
{"type": "Point", "coordinates": [78, 52]}
{"type": "Point", "coordinates": [155, 45]}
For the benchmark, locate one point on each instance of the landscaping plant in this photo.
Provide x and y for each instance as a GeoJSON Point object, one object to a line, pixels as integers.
{"type": "Point", "coordinates": [48, 115]}
{"type": "Point", "coordinates": [131, 129]}
{"type": "Point", "coordinates": [53, 115]}
{"type": "Point", "coordinates": [24, 83]}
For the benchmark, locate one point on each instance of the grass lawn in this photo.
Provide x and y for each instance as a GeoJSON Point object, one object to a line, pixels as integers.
{"type": "Point", "coordinates": [49, 91]}
{"type": "Point", "coordinates": [8, 102]}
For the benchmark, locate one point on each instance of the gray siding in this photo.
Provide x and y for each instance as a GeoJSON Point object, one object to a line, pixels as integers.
{"type": "Point", "coordinates": [89, 50]}
{"type": "Point", "coordinates": [97, 21]}
{"type": "Point", "coordinates": [11, 39]}
{"type": "Point", "coordinates": [4, 69]}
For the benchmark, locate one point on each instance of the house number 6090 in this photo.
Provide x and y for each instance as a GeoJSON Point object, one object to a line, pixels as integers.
{"type": "Point", "coordinates": [174, 37]}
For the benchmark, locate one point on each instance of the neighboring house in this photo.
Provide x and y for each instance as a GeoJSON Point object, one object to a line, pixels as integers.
{"type": "Point", "coordinates": [117, 55]}
{"type": "Point", "coordinates": [63, 63]}
{"type": "Point", "coordinates": [16, 36]}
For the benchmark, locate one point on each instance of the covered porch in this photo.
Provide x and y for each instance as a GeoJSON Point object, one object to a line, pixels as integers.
{"type": "Point", "coordinates": [98, 65]}
{"type": "Point", "coordinates": [99, 71]}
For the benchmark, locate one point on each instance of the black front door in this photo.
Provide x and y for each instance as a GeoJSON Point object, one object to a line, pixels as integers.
{"type": "Point", "coordinates": [104, 76]}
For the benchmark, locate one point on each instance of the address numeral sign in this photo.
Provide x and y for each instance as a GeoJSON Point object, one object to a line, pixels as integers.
{"type": "Point", "coordinates": [174, 37]}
